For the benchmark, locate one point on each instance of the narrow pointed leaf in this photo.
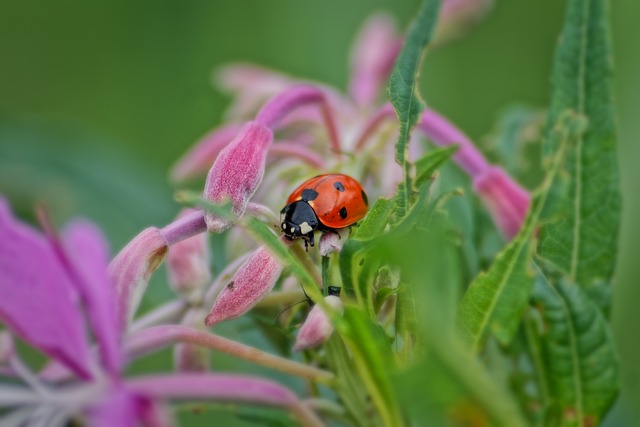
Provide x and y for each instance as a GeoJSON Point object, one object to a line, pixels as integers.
{"type": "Point", "coordinates": [403, 87]}
{"type": "Point", "coordinates": [579, 235]}
{"type": "Point", "coordinates": [427, 165]}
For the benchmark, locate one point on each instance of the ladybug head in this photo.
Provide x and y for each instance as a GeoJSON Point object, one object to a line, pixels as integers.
{"type": "Point", "coordinates": [298, 219]}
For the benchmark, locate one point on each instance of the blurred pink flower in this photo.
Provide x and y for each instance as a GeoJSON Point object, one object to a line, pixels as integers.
{"type": "Point", "coordinates": [46, 283]}
{"type": "Point", "coordinates": [317, 328]}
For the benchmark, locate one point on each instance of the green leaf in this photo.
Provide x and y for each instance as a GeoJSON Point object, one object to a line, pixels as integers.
{"type": "Point", "coordinates": [372, 357]}
{"type": "Point", "coordinates": [450, 387]}
{"type": "Point", "coordinates": [376, 220]}
{"type": "Point", "coordinates": [429, 163]}
{"type": "Point", "coordinates": [403, 91]}
{"type": "Point", "coordinates": [579, 233]}
{"type": "Point", "coordinates": [580, 356]}
{"type": "Point", "coordinates": [497, 298]}
{"type": "Point", "coordinates": [347, 384]}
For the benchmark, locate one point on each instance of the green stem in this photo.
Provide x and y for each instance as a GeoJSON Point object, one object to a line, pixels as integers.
{"type": "Point", "coordinates": [325, 275]}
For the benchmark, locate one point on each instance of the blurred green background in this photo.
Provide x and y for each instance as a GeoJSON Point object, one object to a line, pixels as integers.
{"type": "Point", "coordinates": [98, 99]}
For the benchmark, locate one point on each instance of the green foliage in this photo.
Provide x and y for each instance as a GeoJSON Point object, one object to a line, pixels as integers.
{"type": "Point", "coordinates": [581, 361]}
{"type": "Point", "coordinates": [430, 162]}
{"type": "Point", "coordinates": [403, 91]}
{"type": "Point", "coordinates": [495, 300]}
{"type": "Point", "coordinates": [579, 234]}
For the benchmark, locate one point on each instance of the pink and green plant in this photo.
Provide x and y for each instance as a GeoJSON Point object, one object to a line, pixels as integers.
{"type": "Point", "coordinates": [410, 338]}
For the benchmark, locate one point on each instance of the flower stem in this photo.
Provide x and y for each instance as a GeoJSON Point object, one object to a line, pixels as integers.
{"type": "Point", "coordinates": [325, 275]}
{"type": "Point", "coordinates": [168, 313]}
{"type": "Point", "coordinates": [277, 298]}
{"type": "Point", "coordinates": [158, 337]}
{"type": "Point", "coordinates": [306, 262]}
{"type": "Point", "coordinates": [185, 227]}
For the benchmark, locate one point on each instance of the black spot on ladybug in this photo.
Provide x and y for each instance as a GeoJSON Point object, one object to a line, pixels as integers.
{"type": "Point", "coordinates": [309, 194]}
{"type": "Point", "coordinates": [338, 186]}
{"type": "Point", "coordinates": [231, 284]}
{"type": "Point", "coordinates": [343, 212]}
{"type": "Point", "coordinates": [364, 197]}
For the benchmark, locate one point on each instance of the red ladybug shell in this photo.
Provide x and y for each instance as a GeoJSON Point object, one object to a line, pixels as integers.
{"type": "Point", "coordinates": [338, 200]}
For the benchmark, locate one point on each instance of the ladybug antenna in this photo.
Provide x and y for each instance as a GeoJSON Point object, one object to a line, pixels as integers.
{"type": "Point", "coordinates": [287, 308]}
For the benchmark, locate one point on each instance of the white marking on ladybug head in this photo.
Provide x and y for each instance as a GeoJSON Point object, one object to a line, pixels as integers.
{"type": "Point", "coordinates": [305, 228]}
{"type": "Point", "coordinates": [293, 229]}
{"type": "Point", "coordinates": [283, 226]}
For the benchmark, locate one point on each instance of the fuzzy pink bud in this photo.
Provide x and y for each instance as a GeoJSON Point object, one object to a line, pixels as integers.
{"type": "Point", "coordinates": [372, 58]}
{"type": "Point", "coordinates": [457, 17]}
{"type": "Point", "coordinates": [317, 328]}
{"type": "Point", "coordinates": [198, 160]}
{"type": "Point", "coordinates": [191, 357]}
{"type": "Point", "coordinates": [253, 280]}
{"type": "Point", "coordinates": [332, 242]}
{"type": "Point", "coordinates": [237, 172]}
{"type": "Point", "coordinates": [188, 264]}
{"type": "Point", "coordinates": [507, 201]}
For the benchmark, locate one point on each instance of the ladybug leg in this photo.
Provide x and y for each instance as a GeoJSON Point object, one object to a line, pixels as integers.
{"type": "Point", "coordinates": [333, 230]}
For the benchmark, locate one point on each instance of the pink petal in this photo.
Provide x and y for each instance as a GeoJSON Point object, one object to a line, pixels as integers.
{"type": "Point", "coordinates": [198, 160]}
{"type": "Point", "coordinates": [252, 86]}
{"type": "Point", "coordinates": [188, 264]}
{"type": "Point", "coordinates": [372, 59]}
{"type": "Point", "coordinates": [317, 328]}
{"type": "Point", "coordinates": [39, 302]}
{"type": "Point", "coordinates": [119, 407]}
{"type": "Point", "coordinates": [131, 269]}
{"type": "Point", "coordinates": [237, 172]}
{"type": "Point", "coordinates": [253, 280]}
{"type": "Point", "coordinates": [506, 200]}
{"type": "Point", "coordinates": [88, 252]}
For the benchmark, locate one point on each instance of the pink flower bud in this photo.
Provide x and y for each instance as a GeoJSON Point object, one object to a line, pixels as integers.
{"type": "Point", "coordinates": [253, 280]}
{"type": "Point", "coordinates": [332, 242]}
{"type": "Point", "coordinates": [507, 201]}
{"type": "Point", "coordinates": [372, 59]}
{"type": "Point", "coordinates": [457, 17]}
{"type": "Point", "coordinates": [198, 160]}
{"type": "Point", "coordinates": [317, 328]}
{"type": "Point", "coordinates": [188, 264]}
{"type": "Point", "coordinates": [237, 172]}
{"type": "Point", "coordinates": [131, 269]}
{"type": "Point", "coordinates": [190, 357]}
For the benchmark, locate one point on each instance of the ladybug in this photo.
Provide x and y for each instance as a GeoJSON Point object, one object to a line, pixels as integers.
{"type": "Point", "coordinates": [326, 203]}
